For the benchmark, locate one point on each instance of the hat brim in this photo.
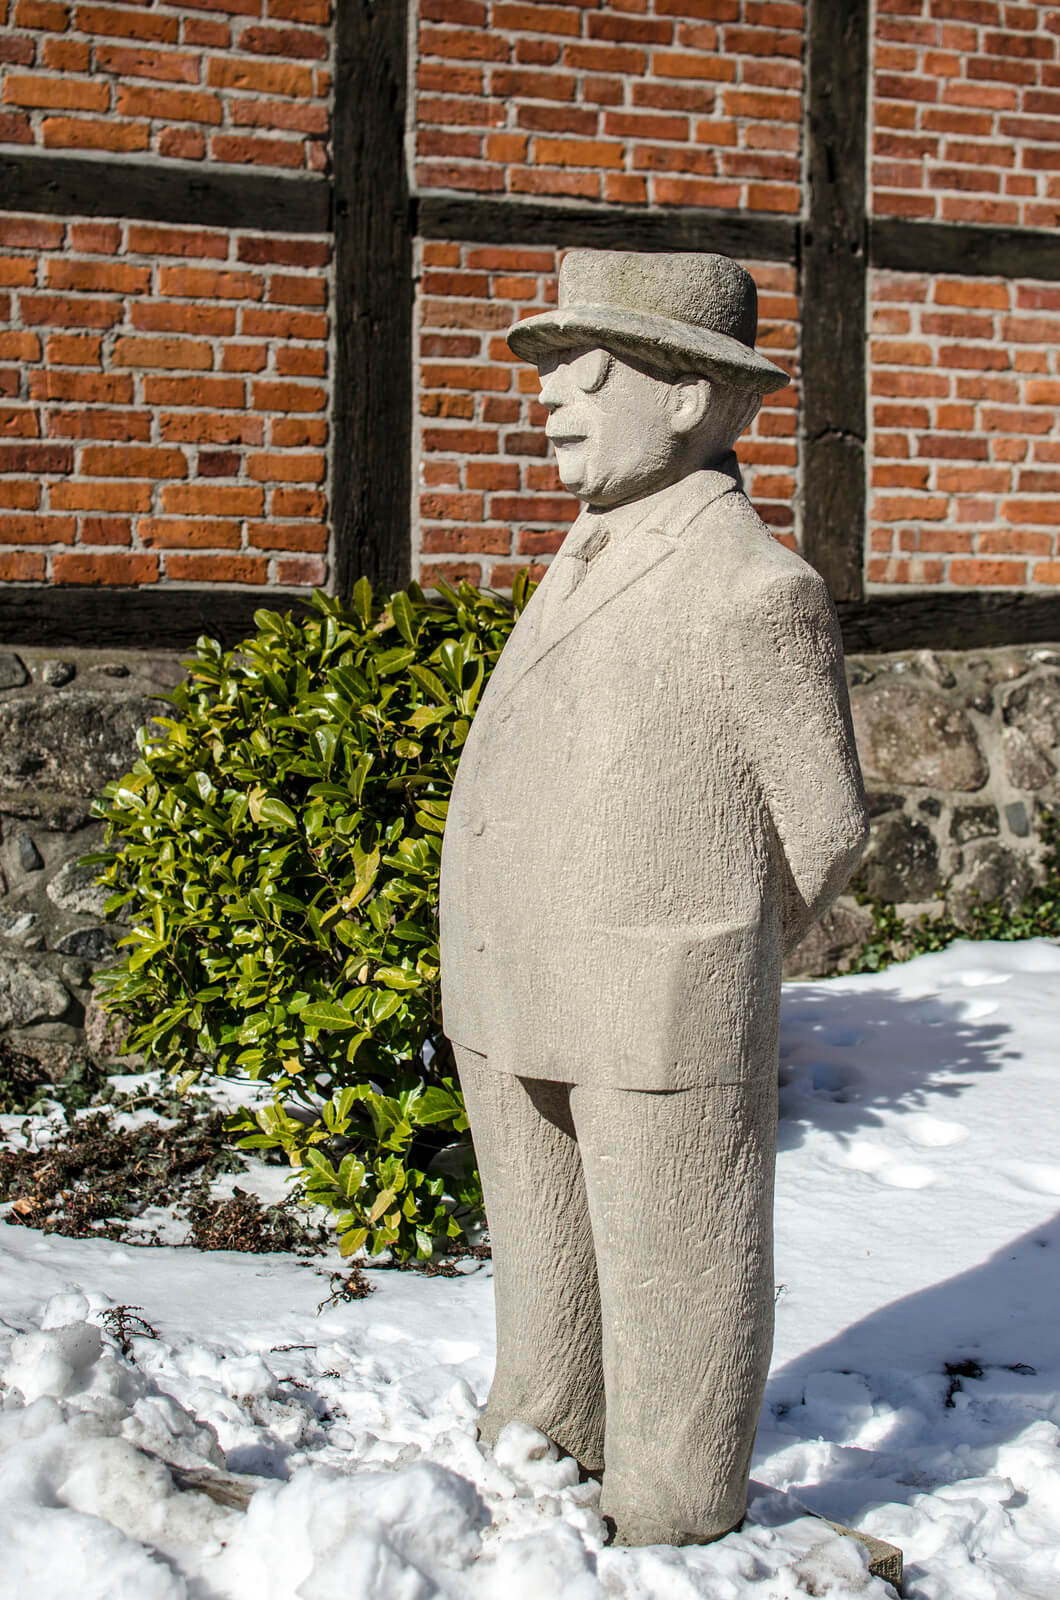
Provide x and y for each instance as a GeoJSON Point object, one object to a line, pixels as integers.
{"type": "Point", "coordinates": [652, 338]}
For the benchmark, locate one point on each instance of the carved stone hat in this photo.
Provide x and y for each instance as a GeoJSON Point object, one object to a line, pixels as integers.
{"type": "Point", "coordinates": [686, 310]}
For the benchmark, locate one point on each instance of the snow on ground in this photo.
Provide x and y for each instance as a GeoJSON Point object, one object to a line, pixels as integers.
{"type": "Point", "coordinates": [915, 1390]}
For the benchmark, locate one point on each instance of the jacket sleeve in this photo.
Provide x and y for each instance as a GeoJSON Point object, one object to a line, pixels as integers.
{"type": "Point", "coordinates": [795, 712]}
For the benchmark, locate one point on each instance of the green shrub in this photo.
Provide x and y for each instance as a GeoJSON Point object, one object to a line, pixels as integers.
{"type": "Point", "coordinates": [276, 850]}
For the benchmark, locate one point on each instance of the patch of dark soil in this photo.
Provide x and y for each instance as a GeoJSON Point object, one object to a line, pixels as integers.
{"type": "Point", "coordinates": [96, 1177]}
{"type": "Point", "coordinates": [243, 1223]}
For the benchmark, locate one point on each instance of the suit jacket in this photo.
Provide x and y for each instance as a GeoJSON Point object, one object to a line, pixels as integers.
{"type": "Point", "coordinates": [658, 796]}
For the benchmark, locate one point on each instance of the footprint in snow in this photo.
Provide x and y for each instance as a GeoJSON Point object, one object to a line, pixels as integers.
{"type": "Point", "coordinates": [933, 1132]}
{"type": "Point", "coordinates": [1037, 1177]}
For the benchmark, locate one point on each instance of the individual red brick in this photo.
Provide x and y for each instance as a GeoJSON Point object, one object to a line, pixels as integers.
{"type": "Point", "coordinates": [288, 252]}
{"type": "Point", "coordinates": [308, 536]}
{"type": "Point", "coordinates": [296, 433]}
{"type": "Point", "coordinates": [168, 66]}
{"type": "Point", "coordinates": [32, 233]}
{"type": "Point", "coordinates": [1034, 511]}
{"type": "Point", "coordinates": [15, 128]}
{"type": "Point", "coordinates": [42, 14]}
{"type": "Point", "coordinates": [117, 567]}
{"type": "Point", "coordinates": [216, 569]}
{"type": "Point", "coordinates": [182, 354]}
{"type": "Point", "coordinates": [244, 357]}
{"type": "Point", "coordinates": [63, 93]}
{"type": "Point", "coordinates": [189, 533]}
{"type": "Point", "coordinates": [64, 311]}
{"type": "Point", "coordinates": [37, 529]}
{"type": "Point", "coordinates": [451, 572]}
{"type": "Point", "coordinates": [258, 322]}
{"type": "Point", "coordinates": [17, 272]}
{"type": "Point", "coordinates": [993, 574]}
{"type": "Point", "coordinates": [21, 567]}
{"type": "Point", "coordinates": [159, 316]}
{"type": "Point", "coordinates": [214, 35]}
{"type": "Point", "coordinates": [259, 77]}
{"type": "Point", "coordinates": [291, 361]}
{"type": "Point", "coordinates": [211, 427]}
{"type": "Point", "coordinates": [91, 388]}
{"type": "Point", "coordinates": [291, 43]}
{"type": "Point", "coordinates": [20, 494]}
{"type": "Point", "coordinates": [151, 240]}
{"type": "Point", "coordinates": [300, 572]}
{"type": "Point", "coordinates": [474, 540]}
{"type": "Point", "coordinates": [108, 277]}
{"type": "Point", "coordinates": [196, 391]}
{"type": "Point", "coordinates": [182, 144]}
{"type": "Point", "coordinates": [306, 466]}
{"type": "Point", "coordinates": [100, 424]}
{"type": "Point", "coordinates": [105, 530]}
{"type": "Point", "coordinates": [125, 23]}
{"type": "Point", "coordinates": [130, 461]}
{"type": "Point", "coordinates": [213, 499]}
{"type": "Point", "coordinates": [80, 133]}
{"type": "Point", "coordinates": [263, 152]}
{"type": "Point", "coordinates": [208, 283]}
{"type": "Point", "coordinates": [296, 503]}
{"type": "Point", "coordinates": [175, 105]}
{"type": "Point", "coordinates": [80, 495]}
{"type": "Point", "coordinates": [30, 457]}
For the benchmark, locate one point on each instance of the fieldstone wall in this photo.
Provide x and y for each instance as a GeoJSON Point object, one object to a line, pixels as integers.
{"type": "Point", "coordinates": [67, 726]}
{"type": "Point", "coordinates": [961, 752]}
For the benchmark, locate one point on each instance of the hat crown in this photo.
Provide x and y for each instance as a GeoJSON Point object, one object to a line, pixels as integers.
{"type": "Point", "coordinates": [706, 291]}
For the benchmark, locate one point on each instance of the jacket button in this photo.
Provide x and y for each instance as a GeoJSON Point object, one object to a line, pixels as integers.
{"type": "Point", "coordinates": [478, 827]}
{"type": "Point", "coordinates": [478, 944]}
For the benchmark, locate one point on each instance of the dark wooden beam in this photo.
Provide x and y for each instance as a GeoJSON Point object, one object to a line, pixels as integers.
{"type": "Point", "coordinates": [944, 620]}
{"type": "Point", "coordinates": [484, 221]}
{"type": "Point", "coordinates": [832, 294]}
{"type": "Point", "coordinates": [164, 191]}
{"type": "Point", "coordinates": [952, 247]}
{"type": "Point", "coordinates": [371, 474]}
{"type": "Point", "coordinates": [149, 619]}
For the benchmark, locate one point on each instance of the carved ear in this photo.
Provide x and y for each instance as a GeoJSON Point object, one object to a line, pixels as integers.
{"type": "Point", "coordinates": [691, 400]}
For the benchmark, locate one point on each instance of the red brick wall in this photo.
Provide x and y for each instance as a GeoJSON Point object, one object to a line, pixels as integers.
{"type": "Point", "coordinates": [489, 497]}
{"type": "Point", "coordinates": [162, 404]}
{"type": "Point", "coordinates": [967, 111]}
{"type": "Point", "coordinates": [965, 441]}
{"type": "Point", "coordinates": [234, 81]}
{"type": "Point", "coordinates": [671, 102]}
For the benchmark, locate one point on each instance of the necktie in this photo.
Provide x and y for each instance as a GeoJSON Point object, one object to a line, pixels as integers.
{"type": "Point", "coordinates": [574, 564]}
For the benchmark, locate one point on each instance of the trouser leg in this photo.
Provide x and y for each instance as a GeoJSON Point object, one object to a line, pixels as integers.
{"type": "Point", "coordinates": [548, 1311]}
{"type": "Point", "coordinates": [680, 1190]}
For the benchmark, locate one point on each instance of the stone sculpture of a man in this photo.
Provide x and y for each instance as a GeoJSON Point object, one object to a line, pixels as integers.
{"type": "Point", "coordinates": [658, 796]}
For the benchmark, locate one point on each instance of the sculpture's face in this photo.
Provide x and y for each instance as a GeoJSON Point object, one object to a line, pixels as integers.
{"type": "Point", "coordinates": [616, 429]}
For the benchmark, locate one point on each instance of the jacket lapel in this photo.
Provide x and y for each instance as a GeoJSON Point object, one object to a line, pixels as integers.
{"type": "Point", "coordinates": [629, 559]}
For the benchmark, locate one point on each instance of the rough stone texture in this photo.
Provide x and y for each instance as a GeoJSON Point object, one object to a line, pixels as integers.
{"type": "Point", "coordinates": [1027, 766]}
{"type": "Point", "coordinates": [58, 746]}
{"type": "Point", "coordinates": [684, 864]}
{"type": "Point", "coordinates": [902, 860]}
{"type": "Point", "coordinates": [74, 888]}
{"type": "Point", "coordinates": [105, 1034]}
{"type": "Point", "coordinates": [74, 742]}
{"type": "Point", "coordinates": [831, 942]}
{"type": "Point", "coordinates": [936, 842]}
{"type": "Point", "coordinates": [29, 994]}
{"type": "Point", "coordinates": [990, 872]}
{"type": "Point", "coordinates": [12, 672]}
{"type": "Point", "coordinates": [911, 735]}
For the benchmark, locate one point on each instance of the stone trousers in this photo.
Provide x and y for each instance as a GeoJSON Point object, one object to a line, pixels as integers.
{"type": "Point", "coordinates": [633, 1263]}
